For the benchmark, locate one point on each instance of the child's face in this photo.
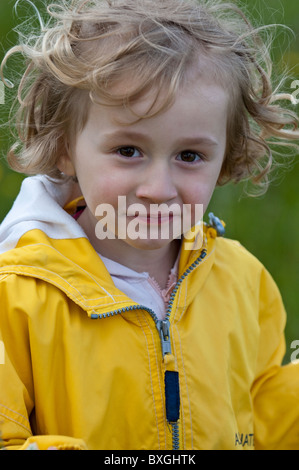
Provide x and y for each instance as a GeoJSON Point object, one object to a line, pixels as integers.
{"type": "Point", "coordinates": [174, 157]}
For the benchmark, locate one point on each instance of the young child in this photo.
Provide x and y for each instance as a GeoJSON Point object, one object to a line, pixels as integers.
{"type": "Point", "coordinates": [117, 336]}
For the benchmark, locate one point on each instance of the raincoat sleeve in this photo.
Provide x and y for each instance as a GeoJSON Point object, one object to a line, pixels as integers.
{"type": "Point", "coordinates": [275, 392]}
{"type": "Point", "coordinates": [16, 378]}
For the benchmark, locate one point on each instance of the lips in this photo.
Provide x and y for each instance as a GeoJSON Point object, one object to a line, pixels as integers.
{"type": "Point", "coordinates": [153, 216]}
{"type": "Point", "coordinates": [153, 219]}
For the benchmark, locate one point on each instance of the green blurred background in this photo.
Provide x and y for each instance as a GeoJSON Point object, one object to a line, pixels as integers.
{"type": "Point", "coordinates": [268, 226]}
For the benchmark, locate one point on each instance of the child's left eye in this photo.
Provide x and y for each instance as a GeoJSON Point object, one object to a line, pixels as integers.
{"type": "Point", "coordinates": [190, 157]}
{"type": "Point", "coordinates": [128, 152]}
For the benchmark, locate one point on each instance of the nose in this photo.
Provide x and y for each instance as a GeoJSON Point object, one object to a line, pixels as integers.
{"type": "Point", "coordinates": [157, 184]}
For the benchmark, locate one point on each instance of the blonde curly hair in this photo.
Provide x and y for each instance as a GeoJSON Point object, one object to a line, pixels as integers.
{"type": "Point", "coordinates": [88, 46]}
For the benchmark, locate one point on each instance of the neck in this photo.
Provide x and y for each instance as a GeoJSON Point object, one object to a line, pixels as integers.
{"type": "Point", "coordinates": [156, 262]}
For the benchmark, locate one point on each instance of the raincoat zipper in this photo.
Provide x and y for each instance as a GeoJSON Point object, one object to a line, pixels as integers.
{"type": "Point", "coordinates": [163, 327]}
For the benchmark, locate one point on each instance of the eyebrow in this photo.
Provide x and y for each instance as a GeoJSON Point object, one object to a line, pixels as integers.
{"type": "Point", "coordinates": [198, 140]}
{"type": "Point", "coordinates": [193, 140]}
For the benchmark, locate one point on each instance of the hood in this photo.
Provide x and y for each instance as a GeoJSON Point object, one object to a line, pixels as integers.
{"type": "Point", "coordinates": [39, 238]}
{"type": "Point", "coordinates": [40, 206]}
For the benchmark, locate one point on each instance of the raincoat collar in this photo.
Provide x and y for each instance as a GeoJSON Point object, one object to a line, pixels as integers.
{"type": "Point", "coordinates": [50, 245]}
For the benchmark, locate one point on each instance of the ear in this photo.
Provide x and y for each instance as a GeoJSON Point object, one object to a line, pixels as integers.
{"type": "Point", "coordinates": [66, 166]}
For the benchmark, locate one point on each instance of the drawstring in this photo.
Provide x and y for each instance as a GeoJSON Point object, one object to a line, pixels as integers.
{"type": "Point", "coordinates": [217, 224]}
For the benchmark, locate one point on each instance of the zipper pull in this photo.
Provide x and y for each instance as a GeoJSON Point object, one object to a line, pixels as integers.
{"type": "Point", "coordinates": [217, 224]}
{"type": "Point", "coordinates": [163, 328]}
{"type": "Point", "coordinates": [171, 382]}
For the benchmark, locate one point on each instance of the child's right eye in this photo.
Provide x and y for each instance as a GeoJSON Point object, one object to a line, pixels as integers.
{"type": "Point", "coordinates": [128, 152]}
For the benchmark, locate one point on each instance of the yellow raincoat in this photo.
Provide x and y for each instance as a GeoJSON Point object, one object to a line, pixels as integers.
{"type": "Point", "coordinates": [86, 367]}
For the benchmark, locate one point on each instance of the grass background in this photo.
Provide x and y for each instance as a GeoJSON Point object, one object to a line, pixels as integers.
{"type": "Point", "coordinates": [268, 226]}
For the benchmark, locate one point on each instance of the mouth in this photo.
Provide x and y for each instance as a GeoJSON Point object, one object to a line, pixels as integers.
{"type": "Point", "coordinates": [152, 219]}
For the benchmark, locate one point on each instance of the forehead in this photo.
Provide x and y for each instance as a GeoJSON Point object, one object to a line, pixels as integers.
{"type": "Point", "coordinates": [198, 113]}
{"type": "Point", "coordinates": [133, 82]}
{"type": "Point", "coordinates": [199, 91]}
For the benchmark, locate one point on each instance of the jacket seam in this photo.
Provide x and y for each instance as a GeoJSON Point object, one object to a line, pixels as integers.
{"type": "Point", "coordinates": [9, 418]}
{"type": "Point", "coordinates": [76, 297]}
{"type": "Point", "coordinates": [175, 350]}
{"type": "Point", "coordinates": [174, 324]}
{"type": "Point", "coordinates": [161, 390]}
{"type": "Point", "coordinates": [16, 422]}
{"type": "Point", "coordinates": [182, 420]}
{"type": "Point", "coordinates": [75, 264]}
{"type": "Point", "coordinates": [44, 278]}
{"type": "Point", "coordinates": [198, 267]}
{"type": "Point", "coordinates": [187, 392]}
{"type": "Point", "coordinates": [185, 375]}
{"type": "Point", "coordinates": [183, 365]}
{"type": "Point", "coordinates": [159, 380]}
{"type": "Point", "coordinates": [151, 378]}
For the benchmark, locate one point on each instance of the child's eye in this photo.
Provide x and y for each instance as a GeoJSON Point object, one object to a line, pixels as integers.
{"type": "Point", "coordinates": [128, 152]}
{"type": "Point", "coordinates": [190, 157]}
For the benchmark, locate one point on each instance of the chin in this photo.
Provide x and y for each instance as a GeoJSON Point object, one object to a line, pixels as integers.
{"type": "Point", "coordinates": [148, 244]}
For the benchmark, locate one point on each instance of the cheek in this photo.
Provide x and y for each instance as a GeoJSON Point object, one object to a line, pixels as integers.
{"type": "Point", "coordinates": [200, 192]}
{"type": "Point", "coordinates": [105, 189]}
